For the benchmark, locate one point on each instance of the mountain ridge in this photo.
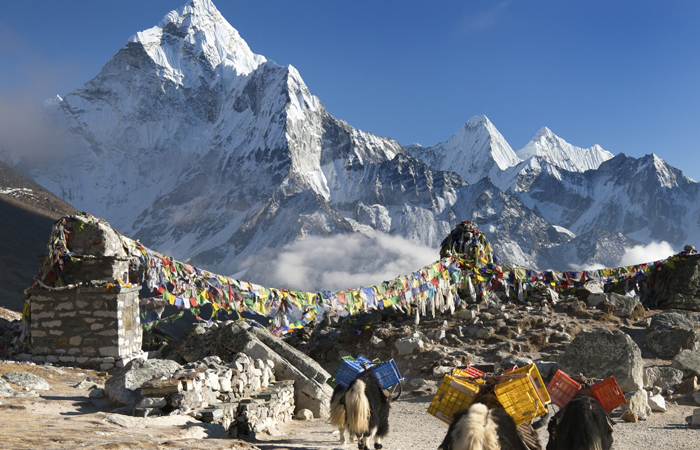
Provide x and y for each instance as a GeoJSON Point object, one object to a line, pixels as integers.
{"type": "Point", "coordinates": [215, 157]}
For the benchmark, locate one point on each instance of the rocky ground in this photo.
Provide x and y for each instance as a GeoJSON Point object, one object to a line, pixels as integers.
{"type": "Point", "coordinates": [72, 413]}
{"type": "Point", "coordinates": [67, 416]}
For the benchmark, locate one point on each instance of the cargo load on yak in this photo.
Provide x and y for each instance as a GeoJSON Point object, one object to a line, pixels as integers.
{"type": "Point", "coordinates": [468, 243]}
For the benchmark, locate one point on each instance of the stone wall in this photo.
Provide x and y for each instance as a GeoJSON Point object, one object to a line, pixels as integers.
{"type": "Point", "coordinates": [261, 412]}
{"type": "Point", "coordinates": [241, 395]}
{"type": "Point", "coordinates": [89, 326]}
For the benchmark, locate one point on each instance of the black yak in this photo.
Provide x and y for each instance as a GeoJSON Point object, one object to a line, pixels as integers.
{"type": "Point", "coordinates": [581, 425]}
{"type": "Point", "coordinates": [362, 410]}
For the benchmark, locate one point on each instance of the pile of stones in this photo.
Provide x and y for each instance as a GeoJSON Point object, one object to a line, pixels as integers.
{"type": "Point", "coordinates": [241, 395]}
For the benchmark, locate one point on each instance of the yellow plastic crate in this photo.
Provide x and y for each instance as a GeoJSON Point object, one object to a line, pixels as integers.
{"type": "Point", "coordinates": [519, 399]}
{"type": "Point", "coordinates": [521, 396]}
{"type": "Point", "coordinates": [452, 396]}
{"type": "Point", "coordinates": [531, 369]}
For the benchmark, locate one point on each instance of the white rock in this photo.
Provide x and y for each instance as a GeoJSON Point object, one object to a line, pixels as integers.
{"type": "Point", "coordinates": [225, 384]}
{"type": "Point", "coordinates": [657, 403]}
{"type": "Point", "coordinates": [440, 371]}
{"type": "Point", "coordinates": [304, 414]}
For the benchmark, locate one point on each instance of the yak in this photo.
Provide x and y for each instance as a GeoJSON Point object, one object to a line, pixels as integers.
{"type": "Point", "coordinates": [486, 427]}
{"type": "Point", "coordinates": [362, 410]}
{"type": "Point", "coordinates": [582, 424]}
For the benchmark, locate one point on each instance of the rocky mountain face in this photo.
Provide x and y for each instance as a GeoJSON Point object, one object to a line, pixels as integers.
{"type": "Point", "coordinates": [190, 142]}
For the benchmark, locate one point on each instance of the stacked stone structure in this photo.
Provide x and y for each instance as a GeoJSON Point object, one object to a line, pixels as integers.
{"type": "Point", "coordinates": [94, 320]}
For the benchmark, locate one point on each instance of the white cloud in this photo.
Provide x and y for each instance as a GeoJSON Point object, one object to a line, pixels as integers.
{"type": "Point", "coordinates": [587, 267]}
{"type": "Point", "coordinates": [337, 262]}
{"type": "Point", "coordinates": [646, 253]}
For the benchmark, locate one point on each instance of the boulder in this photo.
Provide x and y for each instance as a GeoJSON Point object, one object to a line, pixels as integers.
{"type": "Point", "coordinates": [688, 361]}
{"type": "Point", "coordinates": [5, 389]}
{"type": "Point", "coordinates": [682, 290]}
{"type": "Point", "coordinates": [408, 345]}
{"type": "Point", "coordinates": [638, 403]}
{"type": "Point", "coordinates": [515, 360]}
{"type": "Point", "coordinates": [124, 388]}
{"type": "Point", "coordinates": [662, 376]}
{"type": "Point", "coordinates": [672, 331]}
{"type": "Point", "coordinates": [625, 304]}
{"type": "Point", "coordinates": [596, 299]}
{"type": "Point", "coordinates": [189, 399]}
{"type": "Point", "coordinates": [600, 353]}
{"type": "Point", "coordinates": [27, 380]}
{"type": "Point", "coordinates": [590, 287]}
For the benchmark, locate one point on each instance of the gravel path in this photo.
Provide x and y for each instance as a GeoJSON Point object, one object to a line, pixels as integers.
{"type": "Point", "coordinates": [412, 428]}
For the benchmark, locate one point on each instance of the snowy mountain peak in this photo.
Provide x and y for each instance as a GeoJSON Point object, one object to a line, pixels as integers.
{"type": "Point", "coordinates": [477, 121]}
{"type": "Point", "coordinates": [476, 151]}
{"type": "Point", "coordinates": [543, 132]}
{"type": "Point", "coordinates": [556, 151]}
{"type": "Point", "coordinates": [197, 28]}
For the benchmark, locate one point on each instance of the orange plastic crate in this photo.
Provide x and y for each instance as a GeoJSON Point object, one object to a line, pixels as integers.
{"type": "Point", "coordinates": [453, 395]}
{"type": "Point", "coordinates": [608, 393]}
{"type": "Point", "coordinates": [562, 389]}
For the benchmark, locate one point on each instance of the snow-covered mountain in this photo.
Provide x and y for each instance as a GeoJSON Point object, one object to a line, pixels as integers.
{"type": "Point", "coordinates": [190, 142]}
{"type": "Point", "coordinates": [476, 151]}
{"type": "Point", "coordinates": [557, 152]}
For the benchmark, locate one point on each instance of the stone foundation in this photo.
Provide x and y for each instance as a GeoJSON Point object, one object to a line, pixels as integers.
{"type": "Point", "coordinates": [86, 325]}
{"type": "Point", "coordinates": [259, 413]}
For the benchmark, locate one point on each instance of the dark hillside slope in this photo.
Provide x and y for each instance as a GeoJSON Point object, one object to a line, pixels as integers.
{"type": "Point", "coordinates": [27, 212]}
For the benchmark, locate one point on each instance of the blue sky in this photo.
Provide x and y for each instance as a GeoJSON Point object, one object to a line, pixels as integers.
{"type": "Point", "coordinates": [622, 74]}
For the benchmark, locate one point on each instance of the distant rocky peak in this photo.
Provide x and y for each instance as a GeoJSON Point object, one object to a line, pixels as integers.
{"type": "Point", "coordinates": [197, 30]}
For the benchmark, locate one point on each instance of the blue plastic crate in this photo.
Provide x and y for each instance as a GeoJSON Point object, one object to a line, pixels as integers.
{"type": "Point", "coordinates": [387, 374]}
{"type": "Point", "coordinates": [349, 371]}
{"type": "Point", "coordinates": [331, 381]}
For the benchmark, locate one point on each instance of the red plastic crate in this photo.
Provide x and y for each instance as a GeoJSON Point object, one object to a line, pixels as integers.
{"type": "Point", "coordinates": [562, 389]}
{"type": "Point", "coordinates": [512, 369]}
{"type": "Point", "coordinates": [608, 393]}
{"type": "Point", "coordinates": [472, 371]}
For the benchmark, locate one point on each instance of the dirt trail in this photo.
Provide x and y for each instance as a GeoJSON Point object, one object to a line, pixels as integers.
{"type": "Point", "coordinates": [412, 428]}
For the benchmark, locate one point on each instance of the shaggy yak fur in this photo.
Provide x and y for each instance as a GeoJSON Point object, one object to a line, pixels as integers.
{"type": "Point", "coordinates": [482, 428]}
{"type": "Point", "coordinates": [362, 410]}
{"type": "Point", "coordinates": [581, 425]}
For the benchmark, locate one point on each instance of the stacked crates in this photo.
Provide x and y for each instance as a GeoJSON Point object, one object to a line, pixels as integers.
{"type": "Point", "coordinates": [386, 373]}
{"type": "Point", "coordinates": [562, 389]}
{"type": "Point", "coordinates": [608, 393]}
{"type": "Point", "coordinates": [453, 395]}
